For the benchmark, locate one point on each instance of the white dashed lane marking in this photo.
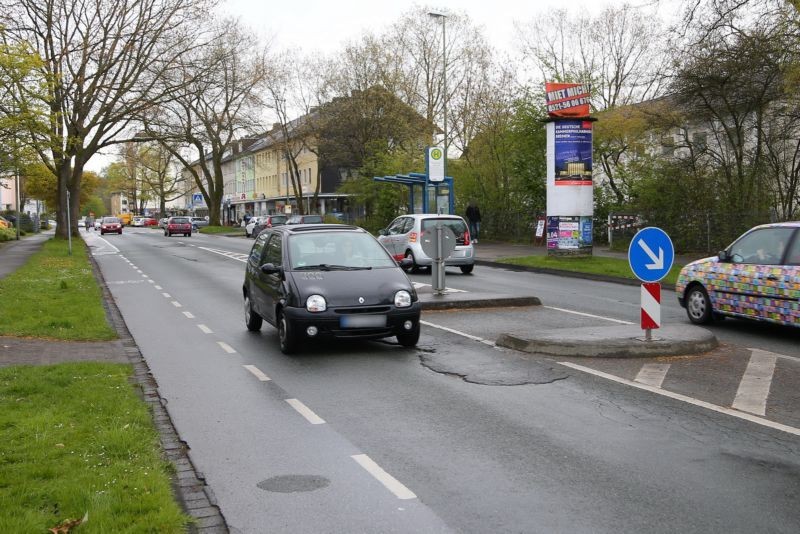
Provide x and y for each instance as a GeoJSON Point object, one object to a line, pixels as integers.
{"type": "Point", "coordinates": [205, 329]}
{"type": "Point", "coordinates": [257, 373]}
{"type": "Point", "coordinates": [167, 295]}
{"type": "Point", "coordinates": [177, 304]}
{"type": "Point", "coordinates": [188, 314]}
{"type": "Point", "coordinates": [755, 385]}
{"type": "Point", "coordinates": [159, 288]}
{"type": "Point", "coordinates": [306, 412]}
{"type": "Point", "coordinates": [227, 348]}
{"type": "Point", "coordinates": [391, 483]}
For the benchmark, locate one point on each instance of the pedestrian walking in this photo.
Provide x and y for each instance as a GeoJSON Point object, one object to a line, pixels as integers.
{"type": "Point", "coordinates": [474, 219]}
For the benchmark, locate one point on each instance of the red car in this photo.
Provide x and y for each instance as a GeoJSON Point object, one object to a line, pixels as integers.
{"type": "Point", "coordinates": [110, 225]}
{"type": "Point", "coordinates": [150, 222]}
{"type": "Point", "coordinates": [178, 225]}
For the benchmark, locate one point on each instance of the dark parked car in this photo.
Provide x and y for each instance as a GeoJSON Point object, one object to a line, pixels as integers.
{"type": "Point", "coordinates": [178, 225]}
{"type": "Point", "coordinates": [111, 225]}
{"type": "Point", "coordinates": [328, 281]}
{"type": "Point", "coordinates": [268, 221]}
{"type": "Point", "coordinates": [304, 219]}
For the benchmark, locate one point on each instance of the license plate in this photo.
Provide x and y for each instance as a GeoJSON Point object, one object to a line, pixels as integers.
{"type": "Point", "coordinates": [458, 254]}
{"type": "Point", "coordinates": [363, 321]}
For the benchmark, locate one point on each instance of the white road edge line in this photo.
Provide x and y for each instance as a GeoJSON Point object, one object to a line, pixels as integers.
{"type": "Point", "coordinates": [677, 396]}
{"type": "Point", "coordinates": [205, 329]}
{"type": "Point", "coordinates": [306, 412]}
{"type": "Point", "coordinates": [588, 315]}
{"type": "Point", "coordinates": [389, 482]}
{"type": "Point", "coordinates": [652, 374]}
{"type": "Point", "coordinates": [188, 314]}
{"type": "Point", "coordinates": [257, 372]}
{"type": "Point", "coordinates": [755, 384]}
{"type": "Point", "coordinates": [227, 348]}
{"type": "Point", "coordinates": [457, 332]}
{"type": "Point", "coordinates": [104, 240]}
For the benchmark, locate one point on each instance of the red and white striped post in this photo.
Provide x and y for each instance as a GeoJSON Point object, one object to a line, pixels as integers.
{"type": "Point", "coordinates": [651, 308]}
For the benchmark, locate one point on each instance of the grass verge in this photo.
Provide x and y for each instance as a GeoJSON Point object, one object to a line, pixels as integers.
{"type": "Point", "coordinates": [591, 265]}
{"type": "Point", "coordinates": [229, 230]}
{"type": "Point", "coordinates": [54, 295]}
{"type": "Point", "coordinates": [77, 439]}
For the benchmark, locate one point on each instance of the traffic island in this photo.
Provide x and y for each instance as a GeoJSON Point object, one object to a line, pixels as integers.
{"type": "Point", "coordinates": [458, 299]}
{"type": "Point", "coordinates": [624, 341]}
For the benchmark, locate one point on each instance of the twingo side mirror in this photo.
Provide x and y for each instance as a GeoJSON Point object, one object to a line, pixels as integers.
{"type": "Point", "coordinates": [723, 255]}
{"type": "Point", "coordinates": [406, 263]}
{"type": "Point", "coordinates": [383, 231]}
{"type": "Point", "coordinates": [270, 268]}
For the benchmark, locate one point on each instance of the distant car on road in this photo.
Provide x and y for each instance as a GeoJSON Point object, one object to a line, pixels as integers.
{"type": "Point", "coordinates": [403, 239]}
{"type": "Point", "coordinates": [162, 222]}
{"type": "Point", "coordinates": [98, 223]}
{"type": "Point", "coordinates": [150, 221]}
{"type": "Point", "coordinates": [198, 222]}
{"type": "Point", "coordinates": [248, 229]}
{"type": "Point", "coordinates": [4, 223]}
{"type": "Point", "coordinates": [327, 281]}
{"type": "Point", "coordinates": [756, 277]}
{"type": "Point", "coordinates": [268, 221]}
{"type": "Point", "coordinates": [178, 225]}
{"type": "Point", "coordinates": [304, 219]}
{"type": "Point", "coordinates": [111, 225]}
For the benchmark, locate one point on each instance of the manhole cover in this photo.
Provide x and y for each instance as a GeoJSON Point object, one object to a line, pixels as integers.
{"type": "Point", "coordinates": [294, 483]}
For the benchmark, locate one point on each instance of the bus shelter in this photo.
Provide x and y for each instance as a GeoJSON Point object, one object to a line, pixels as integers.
{"type": "Point", "coordinates": [425, 196]}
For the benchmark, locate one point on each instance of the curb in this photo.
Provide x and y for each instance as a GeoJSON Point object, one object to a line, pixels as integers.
{"type": "Point", "coordinates": [621, 342]}
{"type": "Point", "coordinates": [480, 303]}
{"type": "Point", "coordinates": [189, 485]}
{"type": "Point", "coordinates": [568, 274]}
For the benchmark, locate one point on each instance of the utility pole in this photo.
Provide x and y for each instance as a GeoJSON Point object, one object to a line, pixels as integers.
{"type": "Point", "coordinates": [437, 15]}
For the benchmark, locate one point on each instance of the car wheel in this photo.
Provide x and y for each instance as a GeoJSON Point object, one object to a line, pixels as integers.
{"type": "Point", "coordinates": [467, 269]}
{"type": "Point", "coordinates": [698, 305]}
{"type": "Point", "coordinates": [251, 318]}
{"type": "Point", "coordinates": [189, 234]}
{"type": "Point", "coordinates": [414, 267]}
{"type": "Point", "coordinates": [410, 338]}
{"type": "Point", "coordinates": [286, 335]}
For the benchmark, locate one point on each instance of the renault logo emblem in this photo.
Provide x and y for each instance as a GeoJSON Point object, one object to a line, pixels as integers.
{"type": "Point", "coordinates": [361, 300]}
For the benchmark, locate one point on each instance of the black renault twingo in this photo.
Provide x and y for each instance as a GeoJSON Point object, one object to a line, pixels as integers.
{"type": "Point", "coordinates": [328, 281]}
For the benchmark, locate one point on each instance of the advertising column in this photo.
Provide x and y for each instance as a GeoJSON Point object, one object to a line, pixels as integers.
{"type": "Point", "coordinates": [570, 196]}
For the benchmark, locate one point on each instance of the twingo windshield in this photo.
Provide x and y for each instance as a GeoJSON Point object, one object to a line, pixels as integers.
{"type": "Point", "coordinates": [337, 250]}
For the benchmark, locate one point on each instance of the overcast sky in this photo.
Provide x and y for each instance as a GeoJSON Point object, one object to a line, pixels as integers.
{"type": "Point", "coordinates": [326, 25]}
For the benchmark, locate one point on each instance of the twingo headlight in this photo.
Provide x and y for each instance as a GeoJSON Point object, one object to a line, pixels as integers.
{"type": "Point", "coordinates": [402, 299]}
{"type": "Point", "coordinates": [316, 303]}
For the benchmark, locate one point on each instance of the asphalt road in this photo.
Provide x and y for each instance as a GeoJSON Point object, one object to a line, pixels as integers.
{"type": "Point", "coordinates": [465, 437]}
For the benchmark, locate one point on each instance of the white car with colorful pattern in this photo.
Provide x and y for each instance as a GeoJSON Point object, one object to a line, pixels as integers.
{"type": "Point", "coordinates": [756, 277]}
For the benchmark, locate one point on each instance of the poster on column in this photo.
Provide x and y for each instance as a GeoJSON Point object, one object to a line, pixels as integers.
{"type": "Point", "coordinates": [569, 233]}
{"type": "Point", "coordinates": [573, 152]}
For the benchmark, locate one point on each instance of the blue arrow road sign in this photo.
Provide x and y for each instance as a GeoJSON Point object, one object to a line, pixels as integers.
{"type": "Point", "coordinates": [651, 254]}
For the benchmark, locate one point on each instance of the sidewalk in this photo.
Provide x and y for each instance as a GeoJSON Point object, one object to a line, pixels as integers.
{"type": "Point", "coordinates": [491, 251]}
{"type": "Point", "coordinates": [14, 254]}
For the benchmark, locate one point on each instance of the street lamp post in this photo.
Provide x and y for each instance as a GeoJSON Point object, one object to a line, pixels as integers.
{"type": "Point", "coordinates": [437, 15]}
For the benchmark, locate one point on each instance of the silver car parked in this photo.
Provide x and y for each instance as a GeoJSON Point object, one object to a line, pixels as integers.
{"type": "Point", "coordinates": [403, 239]}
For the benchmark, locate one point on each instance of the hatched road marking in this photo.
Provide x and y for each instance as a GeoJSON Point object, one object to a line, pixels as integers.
{"type": "Point", "coordinates": [228, 254]}
{"type": "Point", "coordinates": [652, 374]}
{"type": "Point", "coordinates": [696, 402]}
{"type": "Point", "coordinates": [754, 387]}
